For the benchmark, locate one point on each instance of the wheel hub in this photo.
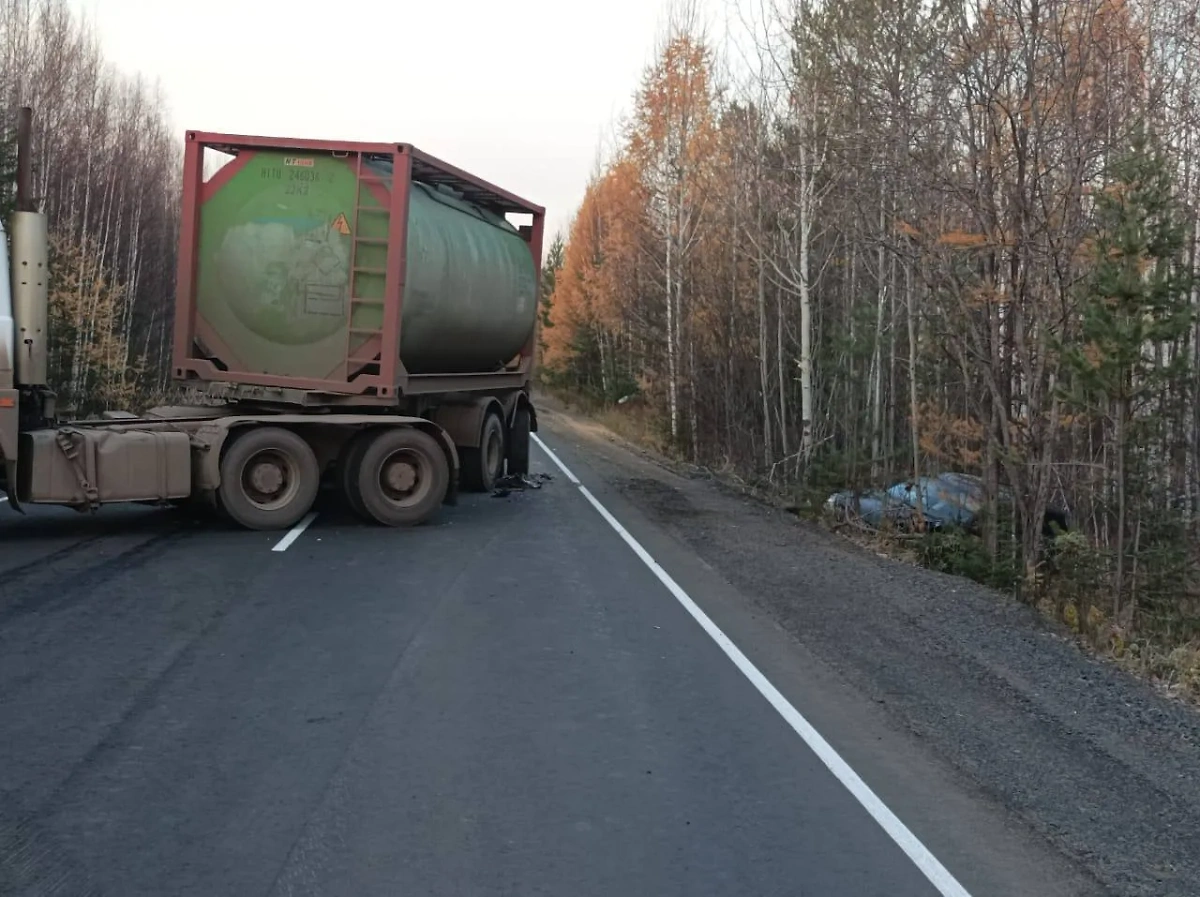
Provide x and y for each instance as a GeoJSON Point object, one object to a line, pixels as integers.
{"type": "Point", "coordinates": [266, 477]}
{"type": "Point", "coordinates": [270, 479]}
{"type": "Point", "coordinates": [400, 476]}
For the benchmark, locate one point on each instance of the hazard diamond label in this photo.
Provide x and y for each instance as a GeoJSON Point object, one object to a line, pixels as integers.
{"type": "Point", "coordinates": [341, 225]}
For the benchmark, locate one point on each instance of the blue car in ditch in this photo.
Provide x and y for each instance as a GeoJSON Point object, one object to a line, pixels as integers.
{"type": "Point", "coordinates": [947, 500]}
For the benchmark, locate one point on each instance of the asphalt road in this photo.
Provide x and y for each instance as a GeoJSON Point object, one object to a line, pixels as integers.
{"type": "Point", "coordinates": [508, 701]}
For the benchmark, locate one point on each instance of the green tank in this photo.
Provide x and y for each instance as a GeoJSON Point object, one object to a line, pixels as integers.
{"type": "Point", "coordinates": [274, 273]}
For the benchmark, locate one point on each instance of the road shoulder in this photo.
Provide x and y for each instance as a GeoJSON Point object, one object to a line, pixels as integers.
{"type": "Point", "coordinates": [995, 740]}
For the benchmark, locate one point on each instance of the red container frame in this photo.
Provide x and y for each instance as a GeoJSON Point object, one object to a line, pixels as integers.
{"type": "Point", "coordinates": [393, 381]}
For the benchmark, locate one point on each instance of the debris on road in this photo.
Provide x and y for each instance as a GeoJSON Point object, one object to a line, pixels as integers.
{"type": "Point", "coordinates": [519, 482]}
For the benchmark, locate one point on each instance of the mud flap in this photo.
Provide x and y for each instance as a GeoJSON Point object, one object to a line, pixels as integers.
{"type": "Point", "coordinates": [451, 499]}
{"type": "Point", "coordinates": [10, 485]}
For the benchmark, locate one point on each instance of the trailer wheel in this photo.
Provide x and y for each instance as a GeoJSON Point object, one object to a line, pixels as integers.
{"type": "Point", "coordinates": [518, 442]}
{"type": "Point", "coordinates": [483, 466]}
{"type": "Point", "coordinates": [269, 478]}
{"type": "Point", "coordinates": [402, 477]}
{"type": "Point", "coordinates": [348, 471]}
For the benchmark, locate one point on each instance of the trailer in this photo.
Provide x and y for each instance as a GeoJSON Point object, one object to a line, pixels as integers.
{"type": "Point", "coordinates": [358, 315]}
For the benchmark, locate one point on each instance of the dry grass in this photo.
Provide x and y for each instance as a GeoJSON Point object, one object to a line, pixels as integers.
{"type": "Point", "coordinates": [632, 422]}
{"type": "Point", "coordinates": [635, 424]}
{"type": "Point", "coordinates": [1171, 666]}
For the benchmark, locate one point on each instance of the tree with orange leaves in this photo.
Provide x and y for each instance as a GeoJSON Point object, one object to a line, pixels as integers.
{"type": "Point", "coordinates": [673, 141]}
{"type": "Point", "coordinates": [590, 305]}
{"type": "Point", "coordinates": [865, 263]}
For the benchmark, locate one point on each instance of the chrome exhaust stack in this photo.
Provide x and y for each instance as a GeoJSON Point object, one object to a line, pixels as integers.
{"type": "Point", "coordinates": [26, 401]}
{"type": "Point", "coordinates": [29, 270]}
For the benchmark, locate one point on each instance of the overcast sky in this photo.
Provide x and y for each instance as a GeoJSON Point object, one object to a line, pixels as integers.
{"type": "Point", "coordinates": [520, 93]}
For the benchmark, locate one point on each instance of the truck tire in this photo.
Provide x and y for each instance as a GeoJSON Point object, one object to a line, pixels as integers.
{"type": "Point", "coordinates": [518, 442]}
{"type": "Point", "coordinates": [348, 469]}
{"type": "Point", "coordinates": [483, 466]}
{"type": "Point", "coordinates": [269, 478]}
{"type": "Point", "coordinates": [402, 477]}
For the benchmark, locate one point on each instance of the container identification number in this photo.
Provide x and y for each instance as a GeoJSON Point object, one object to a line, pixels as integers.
{"type": "Point", "coordinates": [298, 179]}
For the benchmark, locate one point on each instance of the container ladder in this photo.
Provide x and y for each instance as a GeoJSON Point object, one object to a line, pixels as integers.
{"type": "Point", "coordinates": [358, 337]}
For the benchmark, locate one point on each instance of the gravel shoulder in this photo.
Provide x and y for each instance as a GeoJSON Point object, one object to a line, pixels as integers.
{"type": "Point", "coordinates": [1088, 757]}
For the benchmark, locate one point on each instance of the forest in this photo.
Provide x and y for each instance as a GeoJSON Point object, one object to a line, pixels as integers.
{"type": "Point", "coordinates": [844, 245]}
{"type": "Point", "coordinates": [106, 171]}
{"type": "Point", "coordinates": [834, 245]}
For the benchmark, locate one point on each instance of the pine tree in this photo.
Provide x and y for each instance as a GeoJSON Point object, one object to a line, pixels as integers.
{"type": "Point", "coordinates": [550, 269]}
{"type": "Point", "coordinates": [1136, 299]}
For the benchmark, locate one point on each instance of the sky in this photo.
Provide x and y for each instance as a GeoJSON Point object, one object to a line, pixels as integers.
{"type": "Point", "coordinates": [519, 93]}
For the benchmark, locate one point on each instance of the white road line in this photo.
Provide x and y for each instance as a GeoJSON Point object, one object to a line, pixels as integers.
{"type": "Point", "coordinates": [929, 865]}
{"type": "Point", "coordinates": [286, 542]}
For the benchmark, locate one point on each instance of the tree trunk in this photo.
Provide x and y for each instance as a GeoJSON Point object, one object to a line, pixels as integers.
{"type": "Point", "coordinates": [913, 417]}
{"type": "Point", "coordinates": [1120, 412]}
{"type": "Point", "coordinates": [672, 326]}
{"type": "Point", "coordinates": [763, 352]}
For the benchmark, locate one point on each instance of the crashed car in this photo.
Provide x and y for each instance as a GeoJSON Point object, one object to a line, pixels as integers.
{"type": "Point", "coordinates": [947, 500]}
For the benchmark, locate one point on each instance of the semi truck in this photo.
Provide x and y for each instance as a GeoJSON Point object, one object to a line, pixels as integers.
{"type": "Point", "coordinates": [358, 316]}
